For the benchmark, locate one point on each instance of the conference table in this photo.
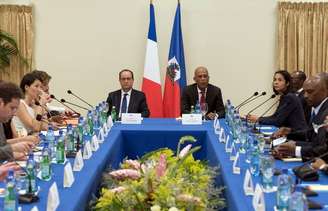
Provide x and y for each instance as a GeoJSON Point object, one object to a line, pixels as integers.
{"type": "Point", "coordinates": [133, 141]}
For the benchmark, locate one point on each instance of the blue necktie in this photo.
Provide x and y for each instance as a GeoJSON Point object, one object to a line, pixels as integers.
{"type": "Point", "coordinates": [124, 104]}
{"type": "Point", "coordinates": [312, 116]}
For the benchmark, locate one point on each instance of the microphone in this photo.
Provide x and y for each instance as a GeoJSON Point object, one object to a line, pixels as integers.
{"type": "Point", "coordinates": [271, 97]}
{"type": "Point", "coordinates": [245, 101]}
{"type": "Point", "coordinates": [44, 107]}
{"type": "Point", "coordinates": [53, 97]}
{"type": "Point", "coordinates": [252, 99]}
{"type": "Point", "coordinates": [71, 93]}
{"type": "Point", "coordinates": [254, 129]}
{"type": "Point", "coordinates": [73, 104]}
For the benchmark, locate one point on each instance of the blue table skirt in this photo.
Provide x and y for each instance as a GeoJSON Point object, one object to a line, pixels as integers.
{"type": "Point", "coordinates": [134, 140]}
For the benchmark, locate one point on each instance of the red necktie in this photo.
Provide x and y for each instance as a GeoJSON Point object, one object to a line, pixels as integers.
{"type": "Point", "coordinates": [202, 97]}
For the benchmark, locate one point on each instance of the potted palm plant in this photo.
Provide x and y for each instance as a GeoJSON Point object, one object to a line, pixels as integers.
{"type": "Point", "coordinates": [8, 48]}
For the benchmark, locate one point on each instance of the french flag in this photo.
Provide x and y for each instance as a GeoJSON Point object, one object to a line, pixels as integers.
{"type": "Point", "coordinates": [175, 79]}
{"type": "Point", "coordinates": [151, 84]}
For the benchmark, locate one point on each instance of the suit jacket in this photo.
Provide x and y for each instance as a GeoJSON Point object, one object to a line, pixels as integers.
{"type": "Point", "coordinates": [213, 99]}
{"type": "Point", "coordinates": [306, 108]}
{"type": "Point", "coordinates": [315, 144]}
{"type": "Point", "coordinates": [289, 113]}
{"type": "Point", "coordinates": [137, 103]}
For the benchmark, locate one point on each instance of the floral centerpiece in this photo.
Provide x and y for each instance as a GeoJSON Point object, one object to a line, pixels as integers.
{"type": "Point", "coordinates": [162, 180]}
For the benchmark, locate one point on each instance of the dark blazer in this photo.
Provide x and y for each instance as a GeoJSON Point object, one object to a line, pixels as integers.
{"type": "Point", "coordinates": [289, 113]}
{"type": "Point", "coordinates": [213, 99]}
{"type": "Point", "coordinates": [315, 144]}
{"type": "Point", "coordinates": [137, 103]}
{"type": "Point", "coordinates": [5, 149]}
{"type": "Point", "coordinates": [306, 108]}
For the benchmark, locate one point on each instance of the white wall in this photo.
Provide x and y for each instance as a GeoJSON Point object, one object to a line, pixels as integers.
{"type": "Point", "coordinates": [84, 44]}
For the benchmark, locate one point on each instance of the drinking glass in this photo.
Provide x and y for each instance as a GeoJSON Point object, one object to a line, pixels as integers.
{"type": "Point", "coordinates": [204, 109]}
{"type": "Point", "coordinates": [267, 167]}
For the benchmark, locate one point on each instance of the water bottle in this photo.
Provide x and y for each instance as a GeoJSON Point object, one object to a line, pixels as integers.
{"type": "Point", "coordinates": [284, 190]}
{"type": "Point", "coordinates": [10, 194]}
{"type": "Point", "coordinates": [60, 149]}
{"type": "Point", "coordinates": [50, 138]}
{"type": "Point", "coordinates": [45, 163]}
{"type": "Point", "coordinates": [113, 114]}
{"type": "Point", "coordinates": [90, 122]}
{"type": "Point", "coordinates": [197, 107]}
{"type": "Point", "coordinates": [70, 147]}
{"type": "Point", "coordinates": [255, 159]}
{"type": "Point", "coordinates": [31, 175]}
{"type": "Point", "coordinates": [298, 201]}
{"type": "Point", "coordinates": [192, 109]}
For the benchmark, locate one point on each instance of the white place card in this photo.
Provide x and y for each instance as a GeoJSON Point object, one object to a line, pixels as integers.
{"type": "Point", "coordinates": [109, 122]}
{"type": "Point", "coordinates": [278, 141]}
{"type": "Point", "coordinates": [248, 184]}
{"type": "Point", "coordinates": [192, 119]}
{"type": "Point", "coordinates": [101, 136]}
{"type": "Point", "coordinates": [78, 162]}
{"type": "Point", "coordinates": [105, 129]}
{"type": "Point", "coordinates": [35, 208]}
{"type": "Point", "coordinates": [258, 199]}
{"type": "Point", "coordinates": [68, 175]}
{"type": "Point", "coordinates": [131, 118]}
{"type": "Point", "coordinates": [53, 198]}
{"type": "Point", "coordinates": [227, 145]}
{"type": "Point", "coordinates": [216, 125]}
{"type": "Point", "coordinates": [235, 165]}
{"type": "Point", "coordinates": [233, 152]}
{"type": "Point", "coordinates": [94, 143]}
{"type": "Point", "coordinates": [222, 136]}
{"type": "Point", "coordinates": [87, 152]}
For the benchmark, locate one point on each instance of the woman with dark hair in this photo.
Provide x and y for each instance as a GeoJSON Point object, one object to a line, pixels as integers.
{"type": "Point", "coordinates": [289, 112]}
{"type": "Point", "coordinates": [30, 110]}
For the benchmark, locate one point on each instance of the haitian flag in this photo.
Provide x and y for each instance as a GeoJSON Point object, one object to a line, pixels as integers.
{"type": "Point", "coordinates": [175, 79]}
{"type": "Point", "coordinates": [151, 84]}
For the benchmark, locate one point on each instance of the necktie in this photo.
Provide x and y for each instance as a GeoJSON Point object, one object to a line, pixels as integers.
{"type": "Point", "coordinates": [124, 104]}
{"type": "Point", "coordinates": [202, 97]}
{"type": "Point", "coordinates": [312, 116]}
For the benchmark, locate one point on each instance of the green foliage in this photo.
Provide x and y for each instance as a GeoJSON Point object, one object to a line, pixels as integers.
{"type": "Point", "coordinates": [8, 48]}
{"type": "Point", "coordinates": [187, 184]}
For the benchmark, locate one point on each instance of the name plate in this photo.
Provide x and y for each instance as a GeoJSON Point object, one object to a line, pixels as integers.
{"type": "Point", "coordinates": [131, 118]}
{"type": "Point", "coordinates": [191, 119]}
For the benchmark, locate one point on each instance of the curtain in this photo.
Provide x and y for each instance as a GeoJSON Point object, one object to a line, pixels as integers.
{"type": "Point", "coordinates": [17, 21]}
{"type": "Point", "coordinates": [303, 37]}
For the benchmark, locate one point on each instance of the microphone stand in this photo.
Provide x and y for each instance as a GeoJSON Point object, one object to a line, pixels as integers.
{"type": "Point", "coordinates": [254, 129]}
{"type": "Point", "coordinates": [246, 101]}
{"type": "Point", "coordinates": [73, 104]}
{"type": "Point", "coordinates": [70, 92]}
{"type": "Point", "coordinates": [53, 97]}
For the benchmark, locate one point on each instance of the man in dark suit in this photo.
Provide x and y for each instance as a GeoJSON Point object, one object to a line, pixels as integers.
{"type": "Point", "coordinates": [203, 92]}
{"type": "Point", "coordinates": [313, 143]}
{"type": "Point", "coordinates": [10, 95]}
{"type": "Point", "coordinates": [127, 99]}
{"type": "Point", "coordinates": [298, 78]}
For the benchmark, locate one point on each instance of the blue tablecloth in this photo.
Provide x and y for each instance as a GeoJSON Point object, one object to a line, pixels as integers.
{"type": "Point", "coordinates": [134, 140]}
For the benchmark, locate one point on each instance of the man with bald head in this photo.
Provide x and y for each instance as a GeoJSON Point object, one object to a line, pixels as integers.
{"type": "Point", "coordinates": [203, 92]}
{"type": "Point", "coordinates": [313, 143]}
